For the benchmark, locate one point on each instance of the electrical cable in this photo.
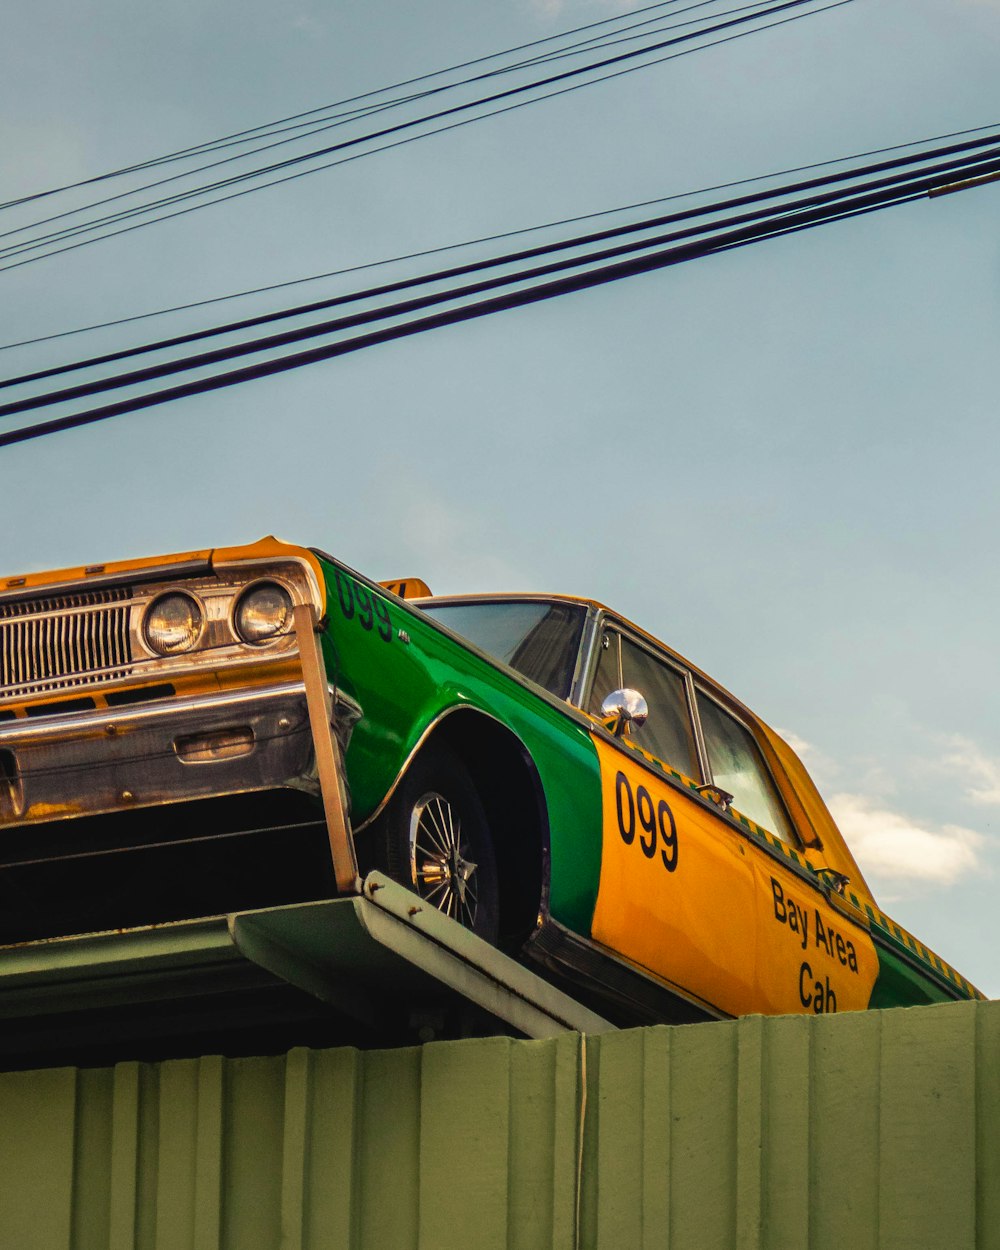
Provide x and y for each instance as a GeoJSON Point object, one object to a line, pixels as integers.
{"type": "Point", "coordinates": [124, 214]}
{"type": "Point", "coordinates": [492, 238]}
{"type": "Point", "coordinates": [222, 184]}
{"type": "Point", "coordinates": [776, 226]}
{"type": "Point", "coordinates": [219, 355]}
{"type": "Point", "coordinates": [961, 165]}
{"type": "Point", "coordinates": [208, 145]}
{"type": "Point", "coordinates": [371, 339]}
{"type": "Point", "coordinates": [320, 127]}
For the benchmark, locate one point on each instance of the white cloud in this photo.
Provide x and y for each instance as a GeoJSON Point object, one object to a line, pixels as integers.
{"type": "Point", "coordinates": [980, 772]}
{"type": "Point", "coordinates": [822, 768]}
{"type": "Point", "coordinates": [896, 848]}
{"type": "Point", "coordinates": [798, 745]}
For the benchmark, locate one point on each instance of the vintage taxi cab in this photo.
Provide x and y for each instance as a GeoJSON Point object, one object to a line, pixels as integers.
{"type": "Point", "coordinates": [196, 734]}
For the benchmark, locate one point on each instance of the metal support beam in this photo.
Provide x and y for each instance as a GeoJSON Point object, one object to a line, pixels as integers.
{"type": "Point", "coordinates": [369, 967]}
{"type": "Point", "coordinates": [345, 863]}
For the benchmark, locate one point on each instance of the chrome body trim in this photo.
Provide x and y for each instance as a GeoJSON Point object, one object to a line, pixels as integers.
{"type": "Point", "coordinates": [415, 749]}
{"type": "Point", "coordinates": [61, 642]}
{"type": "Point", "coordinates": [130, 757]}
{"type": "Point", "coordinates": [587, 658]}
{"type": "Point", "coordinates": [797, 840]}
{"type": "Point", "coordinates": [216, 593]}
{"type": "Point", "coordinates": [315, 594]}
{"type": "Point", "coordinates": [190, 568]}
{"type": "Point", "coordinates": [410, 606]}
{"type": "Point", "coordinates": [691, 691]}
{"type": "Point", "coordinates": [641, 997]}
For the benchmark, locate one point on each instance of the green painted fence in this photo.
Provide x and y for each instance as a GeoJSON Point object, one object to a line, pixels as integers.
{"type": "Point", "coordinates": [878, 1129]}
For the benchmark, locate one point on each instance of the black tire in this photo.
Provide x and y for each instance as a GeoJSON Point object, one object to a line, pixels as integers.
{"type": "Point", "coordinates": [435, 839]}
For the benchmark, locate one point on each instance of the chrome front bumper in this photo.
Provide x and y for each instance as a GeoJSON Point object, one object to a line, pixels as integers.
{"type": "Point", "coordinates": [105, 760]}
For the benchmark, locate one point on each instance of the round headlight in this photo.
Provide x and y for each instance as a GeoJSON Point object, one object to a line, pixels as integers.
{"type": "Point", "coordinates": [264, 612]}
{"type": "Point", "coordinates": [173, 624]}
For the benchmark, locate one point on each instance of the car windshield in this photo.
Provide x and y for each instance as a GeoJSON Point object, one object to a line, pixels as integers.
{"type": "Point", "coordinates": [539, 640]}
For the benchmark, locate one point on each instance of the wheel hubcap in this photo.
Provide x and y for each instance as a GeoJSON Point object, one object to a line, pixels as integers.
{"type": "Point", "coordinates": [438, 865]}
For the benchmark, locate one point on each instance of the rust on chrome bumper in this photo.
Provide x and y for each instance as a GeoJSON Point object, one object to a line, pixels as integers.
{"type": "Point", "coordinates": [107, 760]}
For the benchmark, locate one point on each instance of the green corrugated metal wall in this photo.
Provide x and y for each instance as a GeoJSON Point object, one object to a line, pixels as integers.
{"type": "Point", "coordinates": [875, 1129]}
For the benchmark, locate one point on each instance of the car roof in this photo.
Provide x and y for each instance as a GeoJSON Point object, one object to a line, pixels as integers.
{"type": "Point", "coordinates": [800, 783]}
{"type": "Point", "coordinates": [542, 596]}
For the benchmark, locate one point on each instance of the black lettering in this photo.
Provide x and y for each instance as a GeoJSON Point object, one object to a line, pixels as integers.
{"type": "Point", "coordinates": [345, 594]}
{"type": "Point", "coordinates": [852, 958]}
{"type": "Point", "coordinates": [670, 848]}
{"type": "Point", "coordinates": [818, 1001]}
{"type": "Point", "coordinates": [821, 938]}
{"type": "Point", "coordinates": [841, 950]}
{"type": "Point", "coordinates": [804, 972]}
{"type": "Point", "coordinates": [627, 831]}
{"type": "Point", "coordinates": [780, 911]}
{"type": "Point", "coordinates": [645, 807]}
{"type": "Point", "coordinates": [384, 623]}
{"type": "Point", "coordinates": [364, 601]}
{"type": "Point", "coordinates": [831, 997]}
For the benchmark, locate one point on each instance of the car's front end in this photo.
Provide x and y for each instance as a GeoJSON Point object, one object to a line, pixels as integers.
{"type": "Point", "coordinates": [147, 707]}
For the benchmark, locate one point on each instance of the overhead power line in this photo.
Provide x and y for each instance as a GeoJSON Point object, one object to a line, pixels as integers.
{"type": "Point", "coordinates": [419, 325]}
{"type": "Point", "coordinates": [984, 151]}
{"type": "Point", "coordinates": [68, 238]}
{"type": "Point", "coordinates": [483, 239]}
{"type": "Point", "coordinates": [271, 127]}
{"type": "Point", "coordinates": [305, 157]}
{"type": "Point", "coordinates": [532, 285]}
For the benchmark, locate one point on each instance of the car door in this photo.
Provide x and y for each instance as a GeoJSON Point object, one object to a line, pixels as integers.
{"type": "Point", "coordinates": [813, 955]}
{"type": "Point", "coordinates": [677, 887]}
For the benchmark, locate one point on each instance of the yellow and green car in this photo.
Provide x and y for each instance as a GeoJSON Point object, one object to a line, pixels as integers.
{"type": "Point", "coordinates": [540, 769]}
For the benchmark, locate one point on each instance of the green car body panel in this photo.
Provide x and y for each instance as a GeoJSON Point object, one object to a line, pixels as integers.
{"type": "Point", "coordinates": [407, 687]}
{"type": "Point", "coordinates": [409, 674]}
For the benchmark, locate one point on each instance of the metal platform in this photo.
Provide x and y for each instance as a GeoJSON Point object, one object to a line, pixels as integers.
{"type": "Point", "coordinates": [379, 968]}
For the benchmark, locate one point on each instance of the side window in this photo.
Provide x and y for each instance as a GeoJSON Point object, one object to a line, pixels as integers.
{"type": "Point", "coordinates": [738, 766]}
{"type": "Point", "coordinates": [667, 733]}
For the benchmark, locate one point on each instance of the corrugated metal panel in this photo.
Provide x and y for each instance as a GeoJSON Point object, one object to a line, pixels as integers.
{"type": "Point", "coordinates": [879, 1129]}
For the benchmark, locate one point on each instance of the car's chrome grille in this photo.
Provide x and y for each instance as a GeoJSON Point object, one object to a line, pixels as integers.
{"type": "Point", "coordinates": [64, 641]}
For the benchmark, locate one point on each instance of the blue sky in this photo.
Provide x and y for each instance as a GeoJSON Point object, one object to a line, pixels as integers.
{"type": "Point", "coordinates": [781, 460]}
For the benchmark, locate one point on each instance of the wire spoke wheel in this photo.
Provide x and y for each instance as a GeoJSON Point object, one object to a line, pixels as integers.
{"type": "Point", "coordinates": [436, 839]}
{"type": "Point", "coordinates": [441, 867]}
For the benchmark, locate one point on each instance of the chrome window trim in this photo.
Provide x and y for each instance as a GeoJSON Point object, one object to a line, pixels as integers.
{"type": "Point", "coordinates": [798, 843]}
{"type": "Point", "coordinates": [699, 733]}
{"type": "Point", "coordinates": [584, 653]}
{"type": "Point", "coordinates": [608, 621]}
{"type": "Point", "coordinates": [588, 656]}
{"type": "Point", "coordinates": [410, 605]}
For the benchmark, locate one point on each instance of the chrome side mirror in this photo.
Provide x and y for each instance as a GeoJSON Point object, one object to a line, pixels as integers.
{"type": "Point", "coordinates": [622, 709]}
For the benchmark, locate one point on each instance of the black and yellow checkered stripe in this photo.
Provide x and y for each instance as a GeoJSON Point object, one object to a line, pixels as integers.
{"type": "Point", "coordinates": [859, 909]}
